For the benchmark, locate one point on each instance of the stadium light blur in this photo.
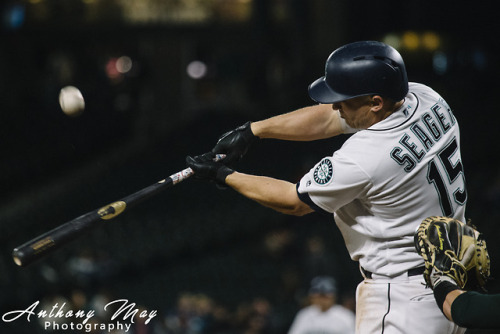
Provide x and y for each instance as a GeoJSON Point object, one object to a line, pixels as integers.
{"type": "Point", "coordinates": [431, 41]}
{"type": "Point", "coordinates": [414, 41]}
{"type": "Point", "coordinates": [410, 40]}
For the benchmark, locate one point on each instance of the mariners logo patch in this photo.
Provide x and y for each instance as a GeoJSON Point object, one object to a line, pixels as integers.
{"type": "Point", "coordinates": [323, 172]}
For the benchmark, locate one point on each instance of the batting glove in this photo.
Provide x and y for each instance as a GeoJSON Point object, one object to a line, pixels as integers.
{"type": "Point", "coordinates": [205, 167]}
{"type": "Point", "coordinates": [235, 143]}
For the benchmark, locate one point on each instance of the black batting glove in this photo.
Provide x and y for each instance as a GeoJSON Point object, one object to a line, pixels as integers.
{"type": "Point", "coordinates": [235, 143]}
{"type": "Point", "coordinates": [206, 168]}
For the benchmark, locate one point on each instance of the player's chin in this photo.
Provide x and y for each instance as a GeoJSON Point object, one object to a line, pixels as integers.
{"type": "Point", "coordinates": [348, 122]}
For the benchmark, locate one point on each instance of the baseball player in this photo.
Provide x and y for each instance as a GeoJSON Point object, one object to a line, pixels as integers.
{"type": "Point", "coordinates": [401, 164]}
{"type": "Point", "coordinates": [323, 315]}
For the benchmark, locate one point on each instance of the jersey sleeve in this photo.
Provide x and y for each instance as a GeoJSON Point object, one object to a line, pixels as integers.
{"type": "Point", "coordinates": [332, 183]}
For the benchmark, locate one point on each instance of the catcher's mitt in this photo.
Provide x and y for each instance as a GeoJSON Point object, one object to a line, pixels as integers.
{"type": "Point", "coordinates": [454, 249]}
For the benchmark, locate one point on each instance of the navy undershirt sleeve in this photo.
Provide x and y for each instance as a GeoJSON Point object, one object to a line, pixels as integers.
{"type": "Point", "coordinates": [304, 197]}
{"type": "Point", "coordinates": [476, 310]}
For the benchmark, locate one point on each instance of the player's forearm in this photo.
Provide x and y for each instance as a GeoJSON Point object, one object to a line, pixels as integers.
{"type": "Point", "coordinates": [276, 194]}
{"type": "Point", "coordinates": [305, 124]}
{"type": "Point", "coordinates": [450, 298]}
{"type": "Point", "coordinates": [472, 310]}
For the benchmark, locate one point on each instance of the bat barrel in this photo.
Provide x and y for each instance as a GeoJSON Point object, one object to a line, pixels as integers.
{"type": "Point", "coordinates": [52, 240]}
{"type": "Point", "coordinates": [59, 236]}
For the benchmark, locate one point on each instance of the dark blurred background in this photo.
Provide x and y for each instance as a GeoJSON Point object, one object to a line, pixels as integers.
{"type": "Point", "coordinates": [163, 79]}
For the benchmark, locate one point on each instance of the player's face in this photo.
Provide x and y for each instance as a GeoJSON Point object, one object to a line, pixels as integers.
{"type": "Point", "coordinates": [357, 112]}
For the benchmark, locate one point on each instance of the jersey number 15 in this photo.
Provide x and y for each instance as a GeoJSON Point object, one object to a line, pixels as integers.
{"type": "Point", "coordinates": [443, 185]}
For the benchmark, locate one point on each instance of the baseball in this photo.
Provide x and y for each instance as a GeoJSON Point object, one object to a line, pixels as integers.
{"type": "Point", "coordinates": [71, 101]}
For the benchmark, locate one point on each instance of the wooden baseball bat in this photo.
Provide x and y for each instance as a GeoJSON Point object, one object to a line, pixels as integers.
{"type": "Point", "coordinates": [63, 234]}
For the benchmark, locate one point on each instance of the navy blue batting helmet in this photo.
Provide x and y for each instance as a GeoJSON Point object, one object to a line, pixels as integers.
{"type": "Point", "coordinates": [359, 69]}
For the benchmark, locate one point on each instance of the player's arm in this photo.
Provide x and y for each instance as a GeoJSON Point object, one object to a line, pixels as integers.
{"type": "Point", "coordinates": [273, 193]}
{"type": "Point", "coordinates": [276, 194]}
{"type": "Point", "coordinates": [468, 309]}
{"type": "Point", "coordinates": [445, 294]}
{"type": "Point", "coordinates": [310, 123]}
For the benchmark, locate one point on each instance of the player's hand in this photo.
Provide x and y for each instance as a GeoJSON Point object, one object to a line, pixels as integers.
{"type": "Point", "coordinates": [235, 143]}
{"type": "Point", "coordinates": [205, 167]}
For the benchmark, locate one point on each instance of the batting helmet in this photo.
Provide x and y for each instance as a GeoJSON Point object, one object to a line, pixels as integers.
{"type": "Point", "coordinates": [361, 68]}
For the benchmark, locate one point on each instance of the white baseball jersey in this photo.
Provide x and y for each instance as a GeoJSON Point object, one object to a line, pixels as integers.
{"type": "Point", "coordinates": [386, 179]}
{"type": "Point", "coordinates": [311, 320]}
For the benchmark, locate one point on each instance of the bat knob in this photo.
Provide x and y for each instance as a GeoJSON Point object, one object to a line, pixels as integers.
{"type": "Point", "coordinates": [16, 256]}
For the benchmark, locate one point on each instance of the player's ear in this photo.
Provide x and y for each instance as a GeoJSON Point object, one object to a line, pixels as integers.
{"type": "Point", "coordinates": [377, 103]}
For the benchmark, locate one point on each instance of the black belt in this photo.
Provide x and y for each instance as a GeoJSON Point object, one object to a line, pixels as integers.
{"type": "Point", "coordinates": [411, 272]}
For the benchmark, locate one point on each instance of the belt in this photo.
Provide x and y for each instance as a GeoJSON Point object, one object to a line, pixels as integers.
{"type": "Point", "coordinates": [412, 272]}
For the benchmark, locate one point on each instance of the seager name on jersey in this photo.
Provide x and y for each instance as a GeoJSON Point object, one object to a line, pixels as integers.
{"type": "Point", "coordinates": [428, 130]}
